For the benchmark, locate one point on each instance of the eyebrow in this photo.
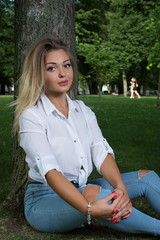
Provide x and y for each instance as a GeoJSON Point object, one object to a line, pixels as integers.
{"type": "Point", "coordinates": [56, 63]}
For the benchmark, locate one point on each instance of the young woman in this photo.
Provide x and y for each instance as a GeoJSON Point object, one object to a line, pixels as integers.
{"type": "Point", "coordinates": [134, 91]}
{"type": "Point", "coordinates": [61, 139]}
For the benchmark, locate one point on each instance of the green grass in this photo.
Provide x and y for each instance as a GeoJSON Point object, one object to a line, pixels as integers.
{"type": "Point", "coordinates": [131, 127]}
{"type": "Point", "coordinates": [6, 117]}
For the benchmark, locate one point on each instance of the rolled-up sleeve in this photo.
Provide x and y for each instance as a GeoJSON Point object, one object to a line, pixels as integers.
{"type": "Point", "coordinates": [99, 146]}
{"type": "Point", "coordinates": [33, 139]}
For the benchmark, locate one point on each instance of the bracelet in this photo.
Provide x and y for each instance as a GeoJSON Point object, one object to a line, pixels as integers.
{"type": "Point", "coordinates": [89, 214]}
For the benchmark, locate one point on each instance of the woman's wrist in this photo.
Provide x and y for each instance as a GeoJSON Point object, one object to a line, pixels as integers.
{"type": "Point", "coordinates": [122, 187]}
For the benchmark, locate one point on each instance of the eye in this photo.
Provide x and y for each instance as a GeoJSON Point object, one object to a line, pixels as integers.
{"type": "Point", "coordinates": [68, 65]}
{"type": "Point", "coordinates": [51, 69]}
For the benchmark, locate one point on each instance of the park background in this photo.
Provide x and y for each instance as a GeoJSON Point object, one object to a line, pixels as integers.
{"type": "Point", "coordinates": [115, 40]}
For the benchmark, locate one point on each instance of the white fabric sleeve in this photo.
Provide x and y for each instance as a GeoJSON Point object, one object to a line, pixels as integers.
{"type": "Point", "coordinates": [99, 147]}
{"type": "Point", "coordinates": [34, 141]}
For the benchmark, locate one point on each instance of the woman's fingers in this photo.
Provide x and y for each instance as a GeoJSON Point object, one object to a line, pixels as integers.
{"type": "Point", "coordinates": [124, 212]}
{"type": "Point", "coordinates": [104, 208]}
{"type": "Point", "coordinates": [111, 208]}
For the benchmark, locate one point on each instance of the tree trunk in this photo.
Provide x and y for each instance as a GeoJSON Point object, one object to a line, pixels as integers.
{"type": "Point", "coordinates": [158, 89]}
{"type": "Point", "coordinates": [124, 83]}
{"type": "Point", "coordinates": [142, 76]}
{"type": "Point", "coordinates": [34, 19]}
{"type": "Point", "coordinates": [92, 85]}
{"type": "Point", "coordinates": [2, 87]}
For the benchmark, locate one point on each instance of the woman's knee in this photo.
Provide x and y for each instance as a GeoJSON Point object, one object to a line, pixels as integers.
{"type": "Point", "coordinates": [142, 173]}
{"type": "Point", "coordinates": [91, 193]}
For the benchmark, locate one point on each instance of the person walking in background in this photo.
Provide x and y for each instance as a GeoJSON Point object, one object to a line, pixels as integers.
{"type": "Point", "coordinates": [62, 139]}
{"type": "Point", "coordinates": [131, 89]}
{"type": "Point", "coordinates": [134, 86]}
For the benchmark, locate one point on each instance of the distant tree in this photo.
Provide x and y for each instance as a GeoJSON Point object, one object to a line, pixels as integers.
{"type": "Point", "coordinates": [126, 34]}
{"type": "Point", "coordinates": [111, 34]}
{"type": "Point", "coordinates": [102, 63]}
{"type": "Point", "coordinates": [90, 17]}
{"type": "Point", "coordinates": [153, 34]}
{"type": "Point", "coordinates": [34, 19]}
{"type": "Point", "coordinates": [6, 43]}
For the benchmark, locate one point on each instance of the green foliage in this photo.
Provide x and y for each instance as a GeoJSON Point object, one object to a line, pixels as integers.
{"type": "Point", "coordinates": [6, 41]}
{"type": "Point", "coordinates": [153, 33]}
{"type": "Point", "coordinates": [100, 58]}
{"type": "Point", "coordinates": [95, 59]}
{"type": "Point", "coordinates": [86, 25]}
{"type": "Point", "coordinates": [126, 32]}
{"type": "Point", "coordinates": [112, 40]}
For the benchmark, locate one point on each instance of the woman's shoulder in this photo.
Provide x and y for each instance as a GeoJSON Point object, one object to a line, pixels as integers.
{"type": "Point", "coordinates": [34, 113]}
{"type": "Point", "coordinates": [87, 110]}
{"type": "Point", "coordinates": [80, 104]}
{"type": "Point", "coordinates": [30, 111]}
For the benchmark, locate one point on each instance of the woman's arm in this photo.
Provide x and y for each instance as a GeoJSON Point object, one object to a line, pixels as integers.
{"type": "Point", "coordinates": [66, 190]}
{"type": "Point", "coordinates": [111, 173]}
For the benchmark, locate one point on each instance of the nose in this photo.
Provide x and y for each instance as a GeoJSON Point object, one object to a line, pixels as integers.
{"type": "Point", "coordinates": [61, 72]}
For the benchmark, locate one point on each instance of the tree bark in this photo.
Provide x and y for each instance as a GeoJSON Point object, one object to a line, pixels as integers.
{"type": "Point", "coordinates": [158, 89]}
{"type": "Point", "coordinates": [2, 87]}
{"type": "Point", "coordinates": [34, 19]}
{"type": "Point", "coordinates": [92, 85]}
{"type": "Point", "coordinates": [124, 83]}
{"type": "Point", "coordinates": [142, 76]}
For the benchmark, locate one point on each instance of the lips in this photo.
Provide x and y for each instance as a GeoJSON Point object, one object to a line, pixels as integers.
{"type": "Point", "coordinates": [63, 83]}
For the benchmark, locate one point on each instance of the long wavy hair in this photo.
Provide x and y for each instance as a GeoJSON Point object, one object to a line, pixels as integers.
{"type": "Point", "coordinates": [32, 81]}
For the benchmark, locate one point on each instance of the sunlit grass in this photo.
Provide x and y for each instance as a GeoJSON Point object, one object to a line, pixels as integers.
{"type": "Point", "coordinates": [131, 127]}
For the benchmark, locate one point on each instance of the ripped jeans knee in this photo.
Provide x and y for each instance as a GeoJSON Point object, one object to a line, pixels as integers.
{"type": "Point", "coordinates": [142, 173]}
{"type": "Point", "coordinates": [91, 193]}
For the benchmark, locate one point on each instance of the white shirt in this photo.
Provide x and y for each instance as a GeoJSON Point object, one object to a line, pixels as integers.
{"type": "Point", "coordinates": [51, 141]}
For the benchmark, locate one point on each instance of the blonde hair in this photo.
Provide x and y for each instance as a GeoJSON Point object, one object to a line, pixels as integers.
{"type": "Point", "coordinates": [32, 80]}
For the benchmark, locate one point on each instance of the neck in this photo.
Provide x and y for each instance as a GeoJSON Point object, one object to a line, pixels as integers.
{"type": "Point", "coordinates": [60, 102]}
{"type": "Point", "coordinates": [57, 99]}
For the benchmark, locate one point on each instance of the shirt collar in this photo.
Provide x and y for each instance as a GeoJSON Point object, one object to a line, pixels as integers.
{"type": "Point", "coordinates": [49, 106]}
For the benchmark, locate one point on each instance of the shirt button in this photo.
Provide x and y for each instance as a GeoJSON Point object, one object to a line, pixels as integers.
{"type": "Point", "coordinates": [38, 158]}
{"type": "Point", "coordinates": [81, 157]}
{"type": "Point", "coordinates": [75, 141]}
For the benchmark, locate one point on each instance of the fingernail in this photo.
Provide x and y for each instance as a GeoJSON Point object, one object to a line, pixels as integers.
{"type": "Point", "coordinates": [129, 201]}
{"type": "Point", "coordinates": [113, 219]}
{"type": "Point", "coordinates": [116, 221]}
{"type": "Point", "coordinates": [116, 210]}
{"type": "Point", "coordinates": [128, 212]}
{"type": "Point", "coordinates": [113, 192]}
{"type": "Point", "coordinates": [123, 194]}
{"type": "Point", "coordinates": [115, 196]}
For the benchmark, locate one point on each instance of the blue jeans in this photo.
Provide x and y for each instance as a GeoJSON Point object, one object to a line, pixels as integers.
{"type": "Point", "coordinates": [47, 212]}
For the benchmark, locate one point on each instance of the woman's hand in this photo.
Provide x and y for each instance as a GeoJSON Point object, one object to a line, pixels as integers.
{"type": "Point", "coordinates": [110, 172]}
{"type": "Point", "coordinates": [105, 207]}
{"type": "Point", "coordinates": [124, 207]}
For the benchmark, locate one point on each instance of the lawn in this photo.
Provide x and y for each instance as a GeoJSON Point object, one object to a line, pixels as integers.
{"type": "Point", "coordinates": [131, 126]}
{"type": "Point", "coordinates": [6, 117]}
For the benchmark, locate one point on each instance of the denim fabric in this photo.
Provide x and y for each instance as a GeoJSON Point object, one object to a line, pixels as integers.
{"type": "Point", "coordinates": [47, 212]}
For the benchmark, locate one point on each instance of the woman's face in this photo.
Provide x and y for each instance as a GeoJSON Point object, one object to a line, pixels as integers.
{"type": "Point", "coordinates": [59, 72]}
